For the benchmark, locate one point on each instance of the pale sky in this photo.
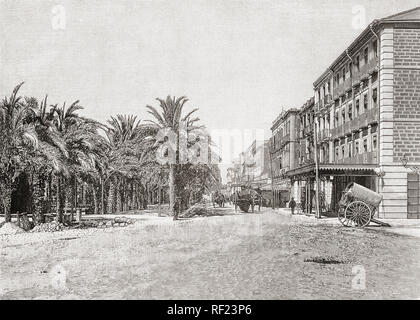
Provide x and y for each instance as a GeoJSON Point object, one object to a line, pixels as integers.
{"type": "Point", "coordinates": [239, 61]}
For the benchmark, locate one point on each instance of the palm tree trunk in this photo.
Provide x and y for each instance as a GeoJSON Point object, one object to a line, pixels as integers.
{"type": "Point", "coordinates": [7, 201]}
{"type": "Point", "coordinates": [50, 196]}
{"type": "Point", "coordinates": [118, 200]}
{"type": "Point", "coordinates": [95, 199]}
{"type": "Point", "coordinates": [132, 205]}
{"type": "Point", "coordinates": [61, 199]}
{"type": "Point", "coordinates": [102, 197]}
{"type": "Point", "coordinates": [38, 197]}
{"type": "Point", "coordinates": [172, 191]}
{"type": "Point", "coordinates": [111, 196]}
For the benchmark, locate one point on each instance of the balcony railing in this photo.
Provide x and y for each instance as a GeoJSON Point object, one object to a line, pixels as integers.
{"type": "Point", "coordinates": [364, 71]}
{"type": "Point", "coordinates": [342, 88]}
{"type": "Point", "coordinates": [362, 121]}
{"type": "Point", "coordinates": [323, 134]}
{"type": "Point", "coordinates": [324, 102]}
{"type": "Point", "coordinates": [364, 158]}
{"type": "Point", "coordinates": [308, 130]}
{"type": "Point", "coordinates": [305, 161]}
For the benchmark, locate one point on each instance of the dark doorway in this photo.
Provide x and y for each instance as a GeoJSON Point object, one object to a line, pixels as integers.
{"type": "Point", "coordinates": [341, 182]}
{"type": "Point", "coordinates": [413, 201]}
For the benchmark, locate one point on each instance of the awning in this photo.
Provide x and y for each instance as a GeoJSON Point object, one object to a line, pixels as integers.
{"type": "Point", "coordinates": [332, 169]}
{"type": "Point", "coordinates": [301, 171]}
{"type": "Point", "coordinates": [348, 167]}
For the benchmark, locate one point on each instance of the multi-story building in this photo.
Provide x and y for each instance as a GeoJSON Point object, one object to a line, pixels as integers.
{"type": "Point", "coordinates": [302, 180]}
{"type": "Point", "coordinates": [252, 169]}
{"type": "Point", "coordinates": [284, 147]}
{"type": "Point", "coordinates": [259, 166]}
{"type": "Point", "coordinates": [367, 120]}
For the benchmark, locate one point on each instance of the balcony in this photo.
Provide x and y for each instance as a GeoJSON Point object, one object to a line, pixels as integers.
{"type": "Point", "coordinates": [307, 160]}
{"type": "Point", "coordinates": [323, 135]}
{"type": "Point", "coordinates": [364, 71]}
{"type": "Point", "coordinates": [324, 102]}
{"type": "Point", "coordinates": [362, 121]}
{"type": "Point", "coordinates": [337, 131]}
{"type": "Point", "coordinates": [342, 88]}
{"type": "Point", "coordinates": [365, 119]}
{"type": "Point", "coordinates": [308, 130]}
{"type": "Point", "coordinates": [364, 158]}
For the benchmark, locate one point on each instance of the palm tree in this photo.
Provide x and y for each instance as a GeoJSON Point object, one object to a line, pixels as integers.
{"type": "Point", "coordinates": [170, 117]}
{"type": "Point", "coordinates": [48, 159]}
{"type": "Point", "coordinates": [80, 137]}
{"type": "Point", "coordinates": [130, 144]}
{"type": "Point", "coordinates": [19, 138]}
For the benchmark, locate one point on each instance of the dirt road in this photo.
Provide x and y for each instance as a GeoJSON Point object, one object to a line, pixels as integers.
{"type": "Point", "coordinates": [236, 256]}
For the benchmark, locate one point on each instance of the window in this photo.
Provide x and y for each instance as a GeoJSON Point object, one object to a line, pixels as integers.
{"type": "Point", "coordinates": [356, 113]}
{"type": "Point", "coordinates": [336, 153]}
{"type": "Point", "coordinates": [374, 142]}
{"type": "Point", "coordinates": [375, 97]}
{"type": "Point", "coordinates": [357, 63]}
{"type": "Point", "coordinates": [343, 115]}
{"type": "Point", "coordinates": [324, 154]}
{"type": "Point", "coordinates": [375, 48]}
{"type": "Point", "coordinates": [365, 145]}
{"type": "Point", "coordinates": [344, 73]}
{"type": "Point", "coordinates": [350, 112]}
{"type": "Point", "coordinates": [365, 101]}
{"type": "Point", "coordinates": [366, 55]}
{"type": "Point", "coordinates": [336, 119]}
{"type": "Point", "coordinates": [350, 149]}
{"type": "Point", "coordinates": [356, 147]}
{"type": "Point", "coordinates": [342, 152]}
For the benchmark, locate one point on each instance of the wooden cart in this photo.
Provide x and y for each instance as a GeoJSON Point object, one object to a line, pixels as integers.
{"type": "Point", "coordinates": [247, 198]}
{"type": "Point", "coordinates": [358, 206]}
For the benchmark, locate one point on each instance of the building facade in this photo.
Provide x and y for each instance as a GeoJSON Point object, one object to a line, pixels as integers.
{"type": "Point", "coordinates": [366, 124]}
{"type": "Point", "coordinates": [284, 147]}
{"type": "Point", "coordinates": [302, 175]}
{"type": "Point", "coordinates": [252, 169]}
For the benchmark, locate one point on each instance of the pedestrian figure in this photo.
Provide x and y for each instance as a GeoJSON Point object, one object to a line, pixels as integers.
{"type": "Point", "coordinates": [292, 205]}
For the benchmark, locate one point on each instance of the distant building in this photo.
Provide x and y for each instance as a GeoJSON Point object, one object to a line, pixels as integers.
{"type": "Point", "coordinates": [252, 169]}
{"type": "Point", "coordinates": [302, 175]}
{"type": "Point", "coordinates": [283, 153]}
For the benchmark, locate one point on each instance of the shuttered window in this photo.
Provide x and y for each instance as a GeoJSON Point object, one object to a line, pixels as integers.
{"type": "Point", "coordinates": [413, 205]}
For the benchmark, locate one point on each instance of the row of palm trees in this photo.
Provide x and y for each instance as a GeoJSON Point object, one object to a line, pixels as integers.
{"type": "Point", "coordinates": [55, 158]}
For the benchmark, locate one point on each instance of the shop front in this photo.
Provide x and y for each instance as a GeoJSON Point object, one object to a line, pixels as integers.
{"type": "Point", "coordinates": [333, 180]}
{"type": "Point", "coordinates": [281, 192]}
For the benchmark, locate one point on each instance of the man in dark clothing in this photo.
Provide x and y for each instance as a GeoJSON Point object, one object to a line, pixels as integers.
{"type": "Point", "coordinates": [292, 205]}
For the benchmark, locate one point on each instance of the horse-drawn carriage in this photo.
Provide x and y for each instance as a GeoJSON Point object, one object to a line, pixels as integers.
{"type": "Point", "coordinates": [247, 198]}
{"type": "Point", "coordinates": [219, 198]}
{"type": "Point", "coordinates": [358, 206]}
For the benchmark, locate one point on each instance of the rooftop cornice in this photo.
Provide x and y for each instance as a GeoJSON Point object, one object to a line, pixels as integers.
{"type": "Point", "coordinates": [366, 34]}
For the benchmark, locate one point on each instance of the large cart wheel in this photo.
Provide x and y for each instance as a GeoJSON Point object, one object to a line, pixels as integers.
{"type": "Point", "coordinates": [358, 214]}
{"type": "Point", "coordinates": [342, 217]}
